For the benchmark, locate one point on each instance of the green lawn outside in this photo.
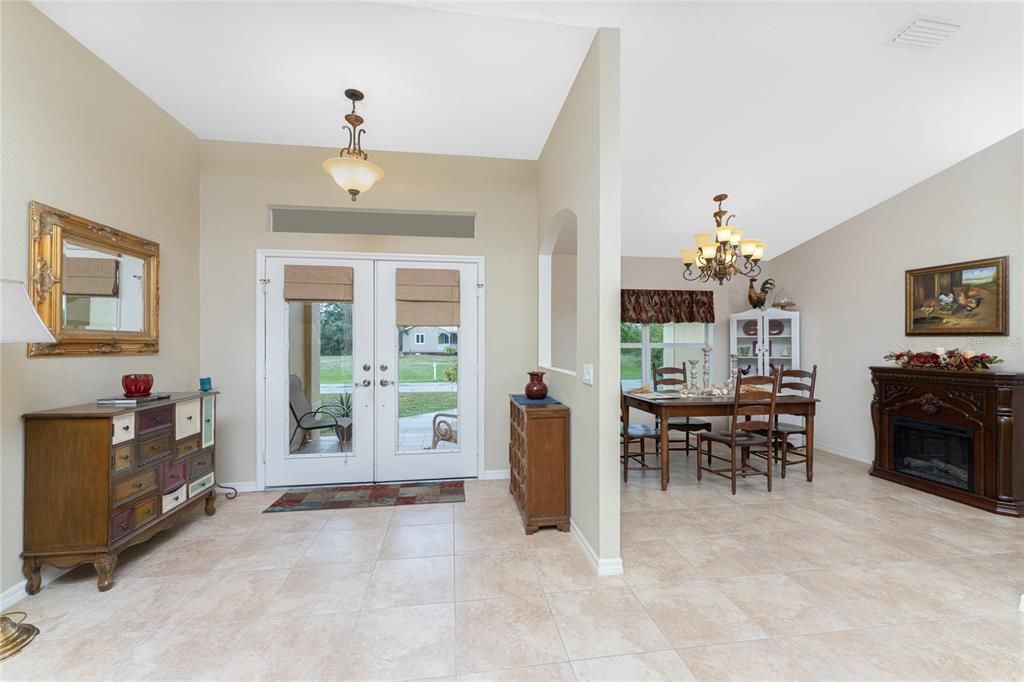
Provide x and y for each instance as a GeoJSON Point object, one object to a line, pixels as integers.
{"type": "Point", "coordinates": [337, 369]}
{"type": "Point", "coordinates": [629, 364]}
{"type": "Point", "coordinates": [412, 404]}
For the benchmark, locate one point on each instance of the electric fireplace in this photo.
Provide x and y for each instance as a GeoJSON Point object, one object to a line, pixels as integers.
{"type": "Point", "coordinates": [934, 451]}
{"type": "Point", "coordinates": [951, 434]}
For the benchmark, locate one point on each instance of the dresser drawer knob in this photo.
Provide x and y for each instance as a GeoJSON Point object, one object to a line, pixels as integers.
{"type": "Point", "coordinates": [189, 417]}
{"type": "Point", "coordinates": [138, 484]}
{"type": "Point", "coordinates": [176, 498]}
{"type": "Point", "coordinates": [148, 511]}
{"type": "Point", "coordinates": [124, 525]}
{"type": "Point", "coordinates": [126, 427]}
{"type": "Point", "coordinates": [125, 456]}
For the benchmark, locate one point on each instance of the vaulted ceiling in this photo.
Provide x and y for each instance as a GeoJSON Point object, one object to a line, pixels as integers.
{"type": "Point", "coordinates": [801, 112]}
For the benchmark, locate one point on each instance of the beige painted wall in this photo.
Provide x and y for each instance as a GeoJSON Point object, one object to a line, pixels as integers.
{"type": "Point", "coordinates": [563, 311]}
{"type": "Point", "coordinates": [849, 282]}
{"type": "Point", "coordinates": [239, 181]}
{"type": "Point", "coordinates": [579, 171]}
{"type": "Point", "coordinates": [76, 135]}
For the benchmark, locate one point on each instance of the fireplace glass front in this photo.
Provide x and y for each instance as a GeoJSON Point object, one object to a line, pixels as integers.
{"type": "Point", "coordinates": [935, 452]}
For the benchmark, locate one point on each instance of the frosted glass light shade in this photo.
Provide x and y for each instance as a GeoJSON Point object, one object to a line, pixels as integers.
{"type": "Point", "coordinates": [758, 251]}
{"type": "Point", "coordinates": [353, 175]}
{"type": "Point", "coordinates": [747, 247]}
{"type": "Point", "coordinates": [19, 322]}
{"type": "Point", "coordinates": [737, 235]}
{"type": "Point", "coordinates": [708, 250]}
{"type": "Point", "coordinates": [702, 238]}
{"type": "Point", "coordinates": [688, 256]}
{"type": "Point", "coordinates": [723, 233]}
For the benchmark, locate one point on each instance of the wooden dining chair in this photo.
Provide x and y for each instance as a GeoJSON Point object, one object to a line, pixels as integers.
{"type": "Point", "coordinates": [800, 383]}
{"type": "Point", "coordinates": [669, 378]}
{"type": "Point", "coordinates": [636, 432]}
{"type": "Point", "coordinates": [755, 397]}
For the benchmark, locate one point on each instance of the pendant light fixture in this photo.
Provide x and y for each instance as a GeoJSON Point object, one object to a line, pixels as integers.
{"type": "Point", "coordinates": [723, 253]}
{"type": "Point", "coordinates": [350, 169]}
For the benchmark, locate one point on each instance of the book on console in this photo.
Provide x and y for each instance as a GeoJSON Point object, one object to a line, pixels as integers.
{"type": "Point", "coordinates": [132, 402]}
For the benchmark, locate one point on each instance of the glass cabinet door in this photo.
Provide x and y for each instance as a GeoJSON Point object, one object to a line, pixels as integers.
{"type": "Point", "coordinates": [208, 420]}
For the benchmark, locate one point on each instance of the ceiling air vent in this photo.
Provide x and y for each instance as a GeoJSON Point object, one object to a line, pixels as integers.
{"type": "Point", "coordinates": [924, 34]}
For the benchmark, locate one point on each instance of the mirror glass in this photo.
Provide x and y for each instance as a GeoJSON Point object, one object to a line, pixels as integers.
{"type": "Point", "coordinates": [103, 290]}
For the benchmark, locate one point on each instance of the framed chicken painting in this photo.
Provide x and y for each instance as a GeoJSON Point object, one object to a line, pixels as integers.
{"type": "Point", "coordinates": [960, 299]}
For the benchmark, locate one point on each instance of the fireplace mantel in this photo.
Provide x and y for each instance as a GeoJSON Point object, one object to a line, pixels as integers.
{"type": "Point", "coordinates": [983, 403]}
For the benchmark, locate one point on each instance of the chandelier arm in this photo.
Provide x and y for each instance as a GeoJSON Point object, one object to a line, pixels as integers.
{"type": "Point", "coordinates": [351, 139]}
{"type": "Point", "coordinates": [359, 143]}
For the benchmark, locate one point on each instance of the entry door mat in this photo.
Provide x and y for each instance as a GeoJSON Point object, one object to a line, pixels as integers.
{"type": "Point", "coordinates": [376, 495]}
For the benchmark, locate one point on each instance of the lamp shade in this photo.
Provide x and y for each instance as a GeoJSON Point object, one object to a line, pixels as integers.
{"type": "Point", "coordinates": [19, 322]}
{"type": "Point", "coordinates": [352, 174]}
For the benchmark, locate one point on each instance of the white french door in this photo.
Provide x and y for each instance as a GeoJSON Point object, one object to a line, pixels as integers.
{"type": "Point", "coordinates": [416, 404]}
{"type": "Point", "coordinates": [350, 396]}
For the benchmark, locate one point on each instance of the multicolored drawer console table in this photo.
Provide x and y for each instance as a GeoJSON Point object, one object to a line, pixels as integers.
{"type": "Point", "coordinates": [99, 479]}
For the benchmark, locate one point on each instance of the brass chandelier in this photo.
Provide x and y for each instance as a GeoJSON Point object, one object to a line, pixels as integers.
{"type": "Point", "coordinates": [350, 168]}
{"type": "Point", "coordinates": [724, 253]}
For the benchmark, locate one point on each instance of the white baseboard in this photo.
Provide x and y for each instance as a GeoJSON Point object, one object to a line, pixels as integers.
{"type": "Point", "coordinates": [16, 592]}
{"type": "Point", "coordinates": [843, 452]}
{"type": "Point", "coordinates": [242, 486]}
{"type": "Point", "coordinates": [601, 566]}
{"type": "Point", "coordinates": [496, 474]}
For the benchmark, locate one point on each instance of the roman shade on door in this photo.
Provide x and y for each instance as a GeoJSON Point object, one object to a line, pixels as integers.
{"type": "Point", "coordinates": [427, 297]}
{"type": "Point", "coordinates": [90, 277]}
{"type": "Point", "coordinates": [318, 283]}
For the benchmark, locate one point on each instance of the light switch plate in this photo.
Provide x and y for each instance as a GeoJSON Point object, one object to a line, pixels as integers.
{"type": "Point", "coordinates": [588, 375]}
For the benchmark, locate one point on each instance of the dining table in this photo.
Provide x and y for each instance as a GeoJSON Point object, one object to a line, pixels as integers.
{"type": "Point", "coordinates": [664, 408]}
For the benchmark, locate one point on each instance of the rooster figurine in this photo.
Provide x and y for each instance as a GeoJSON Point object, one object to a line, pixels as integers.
{"type": "Point", "coordinates": [757, 298]}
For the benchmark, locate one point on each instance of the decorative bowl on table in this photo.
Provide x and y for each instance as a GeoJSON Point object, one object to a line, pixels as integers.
{"type": "Point", "coordinates": [137, 385]}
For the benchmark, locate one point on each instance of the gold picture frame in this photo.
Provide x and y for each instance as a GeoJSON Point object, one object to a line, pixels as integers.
{"type": "Point", "coordinates": [49, 230]}
{"type": "Point", "coordinates": [970, 298]}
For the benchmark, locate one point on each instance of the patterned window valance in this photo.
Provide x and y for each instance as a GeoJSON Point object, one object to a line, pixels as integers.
{"type": "Point", "coordinates": [665, 306]}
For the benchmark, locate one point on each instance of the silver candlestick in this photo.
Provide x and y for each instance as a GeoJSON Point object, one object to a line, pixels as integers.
{"type": "Point", "coordinates": [707, 366]}
{"type": "Point", "coordinates": [693, 375]}
{"type": "Point", "coordinates": [733, 364]}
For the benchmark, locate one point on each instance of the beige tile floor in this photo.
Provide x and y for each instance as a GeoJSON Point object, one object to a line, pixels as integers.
{"type": "Point", "coordinates": [846, 578]}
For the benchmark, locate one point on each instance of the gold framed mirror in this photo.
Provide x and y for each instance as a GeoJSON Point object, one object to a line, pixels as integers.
{"type": "Point", "coordinates": [95, 288]}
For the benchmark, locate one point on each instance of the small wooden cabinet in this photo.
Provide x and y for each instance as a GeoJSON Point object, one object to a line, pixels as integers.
{"type": "Point", "coordinates": [538, 457]}
{"type": "Point", "coordinates": [101, 478]}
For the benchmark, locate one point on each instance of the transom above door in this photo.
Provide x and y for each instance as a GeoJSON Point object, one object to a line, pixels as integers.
{"type": "Point", "coordinates": [371, 370]}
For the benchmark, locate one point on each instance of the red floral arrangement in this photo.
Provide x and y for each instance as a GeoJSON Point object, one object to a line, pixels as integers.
{"type": "Point", "coordinates": [943, 359]}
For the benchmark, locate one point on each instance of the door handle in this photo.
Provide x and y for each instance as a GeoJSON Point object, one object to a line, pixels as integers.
{"type": "Point", "coordinates": [364, 383]}
{"type": "Point", "coordinates": [385, 382]}
{"type": "Point", "coordinates": [383, 368]}
{"type": "Point", "coordinates": [367, 368]}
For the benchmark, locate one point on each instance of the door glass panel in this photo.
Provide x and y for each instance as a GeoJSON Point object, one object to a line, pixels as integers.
{"type": "Point", "coordinates": [319, 378]}
{"type": "Point", "coordinates": [428, 388]}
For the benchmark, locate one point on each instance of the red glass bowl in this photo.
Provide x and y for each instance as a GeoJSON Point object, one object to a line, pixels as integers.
{"type": "Point", "coordinates": [137, 385]}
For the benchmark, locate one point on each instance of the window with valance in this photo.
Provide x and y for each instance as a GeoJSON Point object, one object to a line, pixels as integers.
{"type": "Point", "coordinates": [663, 327]}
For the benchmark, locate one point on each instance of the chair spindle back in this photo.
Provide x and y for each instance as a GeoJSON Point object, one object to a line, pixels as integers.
{"type": "Point", "coordinates": [755, 397]}
{"type": "Point", "coordinates": [669, 376]}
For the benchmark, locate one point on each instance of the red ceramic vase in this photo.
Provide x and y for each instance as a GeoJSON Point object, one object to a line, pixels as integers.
{"type": "Point", "coordinates": [137, 385]}
{"type": "Point", "coordinates": [536, 389]}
